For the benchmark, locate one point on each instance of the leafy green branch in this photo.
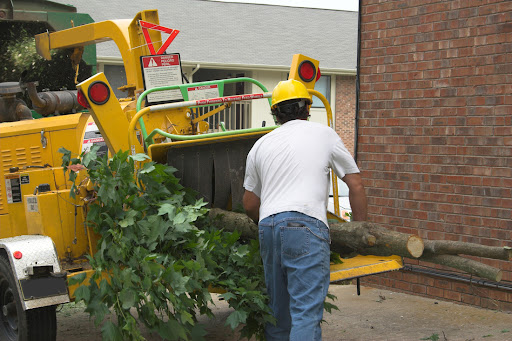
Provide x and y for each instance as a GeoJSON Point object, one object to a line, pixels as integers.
{"type": "Point", "coordinates": [153, 265]}
{"type": "Point", "coordinates": [158, 256]}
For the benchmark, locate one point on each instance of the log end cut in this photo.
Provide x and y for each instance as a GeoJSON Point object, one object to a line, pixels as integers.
{"type": "Point", "coordinates": [415, 246]}
{"type": "Point", "coordinates": [499, 275]}
{"type": "Point", "coordinates": [508, 251]}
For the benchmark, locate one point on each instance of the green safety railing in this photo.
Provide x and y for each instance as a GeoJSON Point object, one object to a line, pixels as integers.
{"type": "Point", "coordinates": [184, 93]}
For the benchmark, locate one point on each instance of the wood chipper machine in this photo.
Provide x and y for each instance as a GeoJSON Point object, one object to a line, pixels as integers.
{"type": "Point", "coordinates": [43, 237]}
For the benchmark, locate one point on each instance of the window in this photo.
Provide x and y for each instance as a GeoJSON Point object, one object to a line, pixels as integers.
{"type": "Point", "coordinates": [323, 85]}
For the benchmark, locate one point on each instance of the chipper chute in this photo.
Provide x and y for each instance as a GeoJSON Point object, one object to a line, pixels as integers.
{"type": "Point", "coordinates": [211, 163]}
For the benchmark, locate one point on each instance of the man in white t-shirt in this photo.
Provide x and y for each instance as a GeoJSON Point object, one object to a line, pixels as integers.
{"type": "Point", "coordinates": [286, 192]}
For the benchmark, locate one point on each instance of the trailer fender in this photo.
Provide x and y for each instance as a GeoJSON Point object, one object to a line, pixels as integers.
{"type": "Point", "coordinates": [36, 270]}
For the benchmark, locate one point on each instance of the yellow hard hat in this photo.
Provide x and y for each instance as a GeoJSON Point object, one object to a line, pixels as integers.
{"type": "Point", "coordinates": [289, 89]}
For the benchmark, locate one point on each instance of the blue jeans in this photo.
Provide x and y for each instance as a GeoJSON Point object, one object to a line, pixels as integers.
{"type": "Point", "coordinates": [295, 252]}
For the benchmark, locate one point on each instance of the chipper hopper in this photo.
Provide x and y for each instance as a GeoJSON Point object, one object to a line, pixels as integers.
{"type": "Point", "coordinates": [43, 237]}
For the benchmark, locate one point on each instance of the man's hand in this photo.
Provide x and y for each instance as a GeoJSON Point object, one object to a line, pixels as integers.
{"type": "Point", "coordinates": [251, 204]}
{"type": "Point", "coordinates": [357, 196]}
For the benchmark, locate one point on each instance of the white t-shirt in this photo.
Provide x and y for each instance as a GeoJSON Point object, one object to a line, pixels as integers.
{"type": "Point", "coordinates": [288, 169]}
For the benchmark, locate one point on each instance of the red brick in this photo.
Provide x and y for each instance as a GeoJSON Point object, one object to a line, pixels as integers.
{"type": "Point", "coordinates": [470, 299]}
{"type": "Point", "coordinates": [419, 289]}
{"type": "Point", "coordinates": [436, 292]}
{"type": "Point", "coordinates": [437, 143]}
{"type": "Point", "coordinates": [452, 295]}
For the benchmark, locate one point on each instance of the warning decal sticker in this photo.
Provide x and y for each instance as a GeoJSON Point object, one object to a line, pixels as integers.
{"type": "Point", "coordinates": [32, 204]}
{"type": "Point", "coordinates": [202, 92]}
{"type": "Point", "coordinates": [162, 70]}
{"type": "Point", "coordinates": [13, 189]}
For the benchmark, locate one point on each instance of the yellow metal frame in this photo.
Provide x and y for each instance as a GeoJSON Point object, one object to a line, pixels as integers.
{"type": "Point", "coordinates": [109, 117]}
{"type": "Point", "coordinates": [126, 34]}
{"type": "Point", "coordinates": [294, 70]}
{"type": "Point", "coordinates": [157, 151]}
{"type": "Point", "coordinates": [211, 113]}
{"type": "Point", "coordinates": [330, 122]}
{"type": "Point", "coordinates": [360, 266]}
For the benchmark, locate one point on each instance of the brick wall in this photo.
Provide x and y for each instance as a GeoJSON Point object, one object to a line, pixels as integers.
{"type": "Point", "coordinates": [435, 138]}
{"type": "Point", "coordinates": [345, 109]}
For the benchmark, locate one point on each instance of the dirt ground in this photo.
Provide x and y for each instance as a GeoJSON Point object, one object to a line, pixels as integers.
{"type": "Point", "coordinates": [374, 315]}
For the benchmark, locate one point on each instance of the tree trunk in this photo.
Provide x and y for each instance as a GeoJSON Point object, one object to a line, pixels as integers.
{"type": "Point", "coordinates": [361, 237]}
{"type": "Point", "coordinates": [371, 239]}
{"type": "Point", "coordinates": [449, 247]}
{"type": "Point", "coordinates": [465, 264]}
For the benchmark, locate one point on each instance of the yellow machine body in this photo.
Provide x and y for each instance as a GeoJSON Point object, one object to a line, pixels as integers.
{"type": "Point", "coordinates": [34, 191]}
{"type": "Point", "coordinates": [29, 157]}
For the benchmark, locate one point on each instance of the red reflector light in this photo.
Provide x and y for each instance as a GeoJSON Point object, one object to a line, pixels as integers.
{"type": "Point", "coordinates": [80, 97]}
{"type": "Point", "coordinates": [319, 74]}
{"type": "Point", "coordinates": [17, 254]}
{"type": "Point", "coordinates": [99, 93]}
{"type": "Point", "coordinates": [307, 71]}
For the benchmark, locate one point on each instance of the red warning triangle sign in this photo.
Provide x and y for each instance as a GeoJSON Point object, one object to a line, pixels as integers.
{"type": "Point", "coordinates": [147, 25]}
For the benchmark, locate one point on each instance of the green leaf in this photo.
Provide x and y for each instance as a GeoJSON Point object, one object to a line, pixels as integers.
{"type": "Point", "coordinates": [172, 330]}
{"type": "Point", "coordinates": [111, 332]}
{"type": "Point", "coordinates": [179, 218]}
{"type": "Point", "coordinates": [148, 168]}
{"type": "Point", "coordinates": [198, 332]}
{"type": "Point", "coordinates": [184, 227]}
{"type": "Point", "coordinates": [146, 283]}
{"type": "Point", "coordinates": [90, 156]}
{"type": "Point", "coordinates": [139, 157]}
{"type": "Point", "coordinates": [329, 307]}
{"type": "Point", "coordinates": [177, 281]}
{"type": "Point", "coordinates": [186, 317]}
{"type": "Point", "coordinates": [168, 209]}
{"type": "Point", "coordinates": [83, 293]}
{"type": "Point", "coordinates": [150, 257]}
{"type": "Point", "coordinates": [127, 298]}
{"type": "Point", "coordinates": [235, 318]}
{"type": "Point", "coordinates": [129, 219]}
{"type": "Point", "coordinates": [227, 296]}
{"type": "Point", "coordinates": [66, 157]}
{"type": "Point", "coordinates": [77, 279]}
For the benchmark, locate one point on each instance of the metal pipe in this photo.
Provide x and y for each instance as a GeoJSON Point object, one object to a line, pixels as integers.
{"type": "Point", "coordinates": [23, 112]}
{"type": "Point", "coordinates": [191, 76]}
{"type": "Point", "coordinates": [13, 109]}
{"type": "Point", "coordinates": [53, 102]}
{"type": "Point", "coordinates": [32, 93]}
{"type": "Point", "coordinates": [460, 278]}
{"type": "Point", "coordinates": [206, 136]}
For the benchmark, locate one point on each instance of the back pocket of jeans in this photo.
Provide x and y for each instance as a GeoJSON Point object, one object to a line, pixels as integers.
{"type": "Point", "coordinates": [295, 241]}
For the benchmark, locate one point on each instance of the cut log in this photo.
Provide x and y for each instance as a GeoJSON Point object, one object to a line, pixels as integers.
{"type": "Point", "coordinates": [361, 237]}
{"type": "Point", "coordinates": [449, 247]}
{"type": "Point", "coordinates": [371, 239]}
{"type": "Point", "coordinates": [231, 221]}
{"type": "Point", "coordinates": [465, 264]}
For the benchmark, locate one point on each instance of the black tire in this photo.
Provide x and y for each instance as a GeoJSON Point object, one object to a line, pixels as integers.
{"type": "Point", "coordinates": [16, 324]}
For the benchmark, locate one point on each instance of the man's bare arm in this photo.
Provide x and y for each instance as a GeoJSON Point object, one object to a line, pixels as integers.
{"type": "Point", "coordinates": [251, 204]}
{"type": "Point", "coordinates": [357, 196]}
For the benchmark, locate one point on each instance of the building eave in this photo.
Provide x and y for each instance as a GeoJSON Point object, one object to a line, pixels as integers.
{"type": "Point", "coordinates": [223, 66]}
